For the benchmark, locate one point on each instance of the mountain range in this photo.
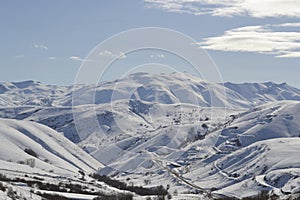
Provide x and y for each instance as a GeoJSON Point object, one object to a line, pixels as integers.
{"type": "Point", "coordinates": [164, 89]}
{"type": "Point", "coordinates": [214, 139]}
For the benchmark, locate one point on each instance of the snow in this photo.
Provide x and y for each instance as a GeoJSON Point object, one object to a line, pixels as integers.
{"type": "Point", "coordinates": [162, 88]}
{"type": "Point", "coordinates": [170, 129]}
{"type": "Point", "coordinates": [54, 151]}
{"type": "Point", "coordinates": [273, 120]}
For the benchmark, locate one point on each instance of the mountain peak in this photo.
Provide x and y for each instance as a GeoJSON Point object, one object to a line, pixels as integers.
{"type": "Point", "coordinates": [25, 84]}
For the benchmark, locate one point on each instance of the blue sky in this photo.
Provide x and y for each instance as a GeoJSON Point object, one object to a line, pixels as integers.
{"type": "Point", "coordinates": [249, 40]}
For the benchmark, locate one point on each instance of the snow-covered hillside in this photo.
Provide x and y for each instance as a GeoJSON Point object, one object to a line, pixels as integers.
{"type": "Point", "coordinates": [265, 165]}
{"type": "Point", "coordinates": [274, 120]}
{"type": "Point", "coordinates": [35, 161]}
{"type": "Point", "coordinates": [117, 118]}
{"type": "Point", "coordinates": [251, 145]}
{"type": "Point", "coordinates": [23, 141]}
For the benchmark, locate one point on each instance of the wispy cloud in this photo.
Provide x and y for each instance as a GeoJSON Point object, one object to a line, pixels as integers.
{"type": "Point", "coordinates": [40, 46]}
{"type": "Point", "coordinates": [110, 54]}
{"type": "Point", "coordinates": [288, 25]}
{"type": "Point", "coordinates": [106, 53]}
{"type": "Point", "coordinates": [295, 54]}
{"type": "Point", "coordinates": [157, 56]}
{"type": "Point", "coordinates": [260, 39]}
{"type": "Point", "coordinates": [253, 8]}
{"type": "Point", "coordinates": [51, 58]}
{"type": "Point", "coordinates": [77, 58]}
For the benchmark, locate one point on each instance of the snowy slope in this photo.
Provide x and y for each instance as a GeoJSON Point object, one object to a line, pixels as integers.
{"type": "Point", "coordinates": [260, 142]}
{"type": "Point", "coordinates": [54, 151]}
{"type": "Point", "coordinates": [119, 117]}
{"type": "Point", "coordinates": [274, 120]}
{"type": "Point", "coordinates": [271, 164]}
{"type": "Point", "coordinates": [261, 93]}
{"type": "Point", "coordinates": [258, 150]}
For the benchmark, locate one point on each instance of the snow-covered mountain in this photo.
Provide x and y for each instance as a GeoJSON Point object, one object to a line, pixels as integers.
{"type": "Point", "coordinates": [31, 93]}
{"type": "Point", "coordinates": [173, 129]}
{"type": "Point", "coordinates": [162, 88]}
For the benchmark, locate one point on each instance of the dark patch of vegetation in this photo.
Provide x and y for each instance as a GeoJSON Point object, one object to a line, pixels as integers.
{"type": "Point", "coordinates": [31, 152]}
{"type": "Point", "coordinates": [61, 187]}
{"type": "Point", "coordinates": [2, 187]}
{"type": "Point", "coordinates": [159, 190]}
{"type": "Point", "coordinates": [21, 162]}
{"type": "Point", "coordinates": [205, 126]}
{"type": "Point", "coordinates": [37, 178]}
{"type": "Point", "coordinates": [82, 174]}
{"type": "Point", "coordinates": [51, 196]}
{"type": "Point", "coordinates": [4, 178]}
{"type": "Point", "coordinates": [11, 193]}
{"type": "Point", "coordinates": [114, 197]}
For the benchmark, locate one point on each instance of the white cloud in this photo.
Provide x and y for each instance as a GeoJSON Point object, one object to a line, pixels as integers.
{"type": "Point", "coordinates": [51, 58]}
{"type": "Point", "coordinates": [254, 8]}
{"type": "Point", "coordinates": [259, 39]}
{"type": "Point", "coordinates": [77, 58]}
{"type": "Point", "coordinates": [40, 46]}
{"type": "Point", "coordinates": [110, 54]}
{"type": "Point", "coordinates": [288, 25]}
{"type": "Point", "coordinates": [290, 55]}
{"type": "Point", "coordinates": [157, 56]}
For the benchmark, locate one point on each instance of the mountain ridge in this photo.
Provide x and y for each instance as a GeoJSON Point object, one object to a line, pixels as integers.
{"type": "Point", "coordinates": [162, 88]}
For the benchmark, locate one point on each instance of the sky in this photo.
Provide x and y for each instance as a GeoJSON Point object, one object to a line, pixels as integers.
{"type": "Point", "coordinates": [248, 40]}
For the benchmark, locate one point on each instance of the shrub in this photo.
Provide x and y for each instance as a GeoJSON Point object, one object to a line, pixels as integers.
{"type": "Point", "coordinates": [4, 178]}
{"type": "Point", "coordinates": [31, 152]}
{"type": "Point", "coordinates": [30, 162]}
{"type": "Point", "coordinates": [21, 162]}
{"type": "Point", "coordinates": [205, 126]}
{"type": "Point", "coordinates": [2, 187]}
